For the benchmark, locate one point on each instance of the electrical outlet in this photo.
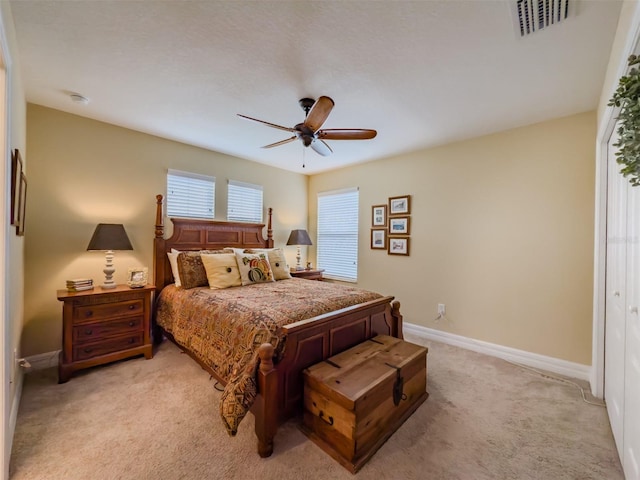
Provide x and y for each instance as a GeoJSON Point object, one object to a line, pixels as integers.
{"type": "Point", "coordinates": [441, 309]}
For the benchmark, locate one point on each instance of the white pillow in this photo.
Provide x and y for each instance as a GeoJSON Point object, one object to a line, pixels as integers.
{"type": "Point", "coordinates": [173, 261]}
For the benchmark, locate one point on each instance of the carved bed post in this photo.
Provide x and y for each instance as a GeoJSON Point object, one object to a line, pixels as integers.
{"type": "Point", "coordinates": [265, 408]}
{"type": "Point", "coordinates": [397, 324]}
{"type": "Point", "coordinates": [269, 230]}
{"type": "Point", "coordinates": [159, 217]}
{"type": "Point", "coordinates": [158, 266]}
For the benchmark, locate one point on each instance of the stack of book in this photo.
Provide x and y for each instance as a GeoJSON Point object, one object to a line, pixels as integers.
{"type": "Point", "coordinates": [79, 284]}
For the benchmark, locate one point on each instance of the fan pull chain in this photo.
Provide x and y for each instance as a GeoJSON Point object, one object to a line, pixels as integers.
{"type": "Point", "coordinates": [304, 151]}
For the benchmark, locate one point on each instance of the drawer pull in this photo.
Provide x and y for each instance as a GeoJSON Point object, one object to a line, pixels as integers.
{"type": "Point", "coordinates": [88, 331]}
{"type": "Point", "coordinates": [321, 415]}
{"type": "Point", "coordinates": [131, 307]}
{"type": "Point", "coordinates": [132, 340]}
{"type": "Point", "coordinates": [88, 313]}
{"type": "Point", "coordinates": [88, 350]}
{"type": "Point", "coordinates": [131, 324]}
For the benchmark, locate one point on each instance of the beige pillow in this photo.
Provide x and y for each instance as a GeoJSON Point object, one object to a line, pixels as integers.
{"type": "Point", "coordinates": [254, 268]}
{"type": "Point", "coordinates": [222, 270]}
{"type": "Point", "coordinates": [277, 260]}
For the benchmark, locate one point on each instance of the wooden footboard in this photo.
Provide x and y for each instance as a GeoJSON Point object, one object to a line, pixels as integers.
{"type": "Point", "coordinates": [280, 385]}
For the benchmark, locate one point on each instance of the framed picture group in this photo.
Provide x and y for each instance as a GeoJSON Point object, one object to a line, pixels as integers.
{"type": "Point", "coordinates": [391, 225]}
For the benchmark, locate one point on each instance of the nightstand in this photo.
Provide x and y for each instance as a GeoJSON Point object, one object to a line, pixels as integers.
{"type": "Point", "coordinates": [308, 274]}
{"type": "Point", "coordinates": [101, 326]}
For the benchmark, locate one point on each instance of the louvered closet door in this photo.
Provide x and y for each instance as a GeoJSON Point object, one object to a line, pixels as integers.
{"type": "Point", "coordinates": [615, 299]}
{"type": "Point", "coordinates": [631, 455]}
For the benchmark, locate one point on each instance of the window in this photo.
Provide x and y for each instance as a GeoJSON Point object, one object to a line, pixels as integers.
{"type": "Point", "coordinates": [190, 195]}
{"type": "Point", "coordinates": [337, 247]}
{"type": "Point", "coordinates": [244, 202]}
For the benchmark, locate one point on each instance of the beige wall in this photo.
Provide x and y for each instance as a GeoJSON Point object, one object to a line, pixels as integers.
{"type": "Point", "coordinates": [501, 232]}
{"type": "Point", "coordinates": [624, 35]}
{"type": "Point", "coordinates": [83, 172]}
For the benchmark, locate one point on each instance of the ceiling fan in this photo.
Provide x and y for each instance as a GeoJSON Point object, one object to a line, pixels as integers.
{"type": "Point", "coordinates": [309, 132]}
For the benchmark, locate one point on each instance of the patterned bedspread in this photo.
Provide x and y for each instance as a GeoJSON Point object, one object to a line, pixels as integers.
{"type": "Point", "coordinates": [224, 328]}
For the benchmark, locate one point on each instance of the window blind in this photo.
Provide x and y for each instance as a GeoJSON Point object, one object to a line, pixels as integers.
{"type": "Point", "coordinates": [190, 195]}
{"type": "Point", "coordinates": [337, 237]}
{"type": "Point", "coordinates": [244, 202]}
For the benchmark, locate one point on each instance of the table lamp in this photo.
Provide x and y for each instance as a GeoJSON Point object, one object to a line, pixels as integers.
{"type": "Point", "coordinates": [109, 237]}
{"type": "Point", "coordinates": [299, 237]}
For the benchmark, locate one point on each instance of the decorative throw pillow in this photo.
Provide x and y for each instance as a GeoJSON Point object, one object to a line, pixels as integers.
{"type": "Point", "coordinates": [254, 268]}
{"type": "Point", "coordinates": [191, 270]}
{"type": "Point", "coordinates": [222, 270]}
{"type": "Point", "coordinates": [173, 261]}
{"type": "Point", "coordinates": [277, 260]}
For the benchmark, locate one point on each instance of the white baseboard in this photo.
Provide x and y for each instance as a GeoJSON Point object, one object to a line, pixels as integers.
{"type": "Point", "coordinates": [542, 362]}
{"type": "Point", "coordinates": [43, 360]}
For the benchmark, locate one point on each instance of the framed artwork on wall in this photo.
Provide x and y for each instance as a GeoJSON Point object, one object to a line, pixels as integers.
{"type": "Point", "coordinates": [22, 205]}
{"type": "Point", "coordinates": [379, 216]}
{"type": "Point", "coordinates": [398, 246]}
{"type": "Point", "coordinates": [399, 225]}
{"type": "Point", "coordinates": [379, 238]}
{"type": "Point", "coordinates": [400, 205]}
{"type": "Point", "coordinates": [16, 178]}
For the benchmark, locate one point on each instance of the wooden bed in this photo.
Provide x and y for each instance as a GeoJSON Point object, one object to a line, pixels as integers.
{"type": "Point", "coordinates": [279, 384]}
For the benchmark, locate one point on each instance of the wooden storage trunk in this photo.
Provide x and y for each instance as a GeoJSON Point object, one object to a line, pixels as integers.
{"type": "Point", "coordinates": [354, 401]}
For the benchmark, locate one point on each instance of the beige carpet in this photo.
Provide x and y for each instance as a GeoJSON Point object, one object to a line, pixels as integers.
{"type": "Point", "coordinates": [157, 419]}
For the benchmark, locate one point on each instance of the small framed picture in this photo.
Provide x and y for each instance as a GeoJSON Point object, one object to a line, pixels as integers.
{"type": "Point", "coordinates": [22, 205]}
{"type": "Point", "coordinates": [16, 178]}
{"type": "Point", "coordinates": [398, 246]}
{"type": "Point", "coordinates": [399, 225]}
{"type": "Point", "coordinates": [379, 216]}
{"type": "Point", "coordinates": [400, 205]}
{"type": "Point", "coordinates": [379, 238]}
{"type": "Point", "coordinates": [137, 277]}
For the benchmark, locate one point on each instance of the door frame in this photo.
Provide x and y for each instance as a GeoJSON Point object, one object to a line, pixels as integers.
{"type": "Point", "coordinates": [605, 130]}
{"type": "Point", "coordinates": [6, 360]}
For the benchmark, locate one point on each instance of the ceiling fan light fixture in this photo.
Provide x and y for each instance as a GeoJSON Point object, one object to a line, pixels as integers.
{"type": "Point", "coordinates": [310, 131]}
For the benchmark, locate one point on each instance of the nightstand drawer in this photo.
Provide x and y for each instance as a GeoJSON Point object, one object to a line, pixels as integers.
{"type": "Point", "coordinates": [86, 351]}
{"type": "Point", "coordinates": [98, 331]}
{"type": "Point", "coordinates": [90, 313]}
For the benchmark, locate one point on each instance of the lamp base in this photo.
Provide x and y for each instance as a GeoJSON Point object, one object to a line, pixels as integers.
{"type": "Point", "coordinates": [109, 270]}
{"type": "Point", "coordinates": [298, 257]}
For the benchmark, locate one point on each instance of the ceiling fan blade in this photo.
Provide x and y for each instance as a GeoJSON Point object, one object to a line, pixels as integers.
{"type": "Point", "coordinates": [286, 129]}
{"type": "Point", "coordinates": [319, 113]}
{"type": "Point", "coordinates": [321, 147]}
{"type": "Point", "coordinates": [281, 142]}
{"type": "Point", "coordinates": [347, 134]}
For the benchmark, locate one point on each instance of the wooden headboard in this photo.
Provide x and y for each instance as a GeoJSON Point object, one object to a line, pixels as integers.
{"type": "Point", "coordinates": [191, 234]}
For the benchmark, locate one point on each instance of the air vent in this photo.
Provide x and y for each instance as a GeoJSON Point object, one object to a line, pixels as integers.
{"type": "Point", "coordinates": [534, 15]}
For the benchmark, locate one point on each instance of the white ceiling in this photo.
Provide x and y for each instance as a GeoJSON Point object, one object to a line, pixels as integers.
{"type": "Point", "coordinates": [422, 73]}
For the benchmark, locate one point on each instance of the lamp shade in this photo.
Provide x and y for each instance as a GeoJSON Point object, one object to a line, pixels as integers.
{"type": "Point", "coordinates": [110, 236]}
{"type": "Point", "coordinates": [299, 237]}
